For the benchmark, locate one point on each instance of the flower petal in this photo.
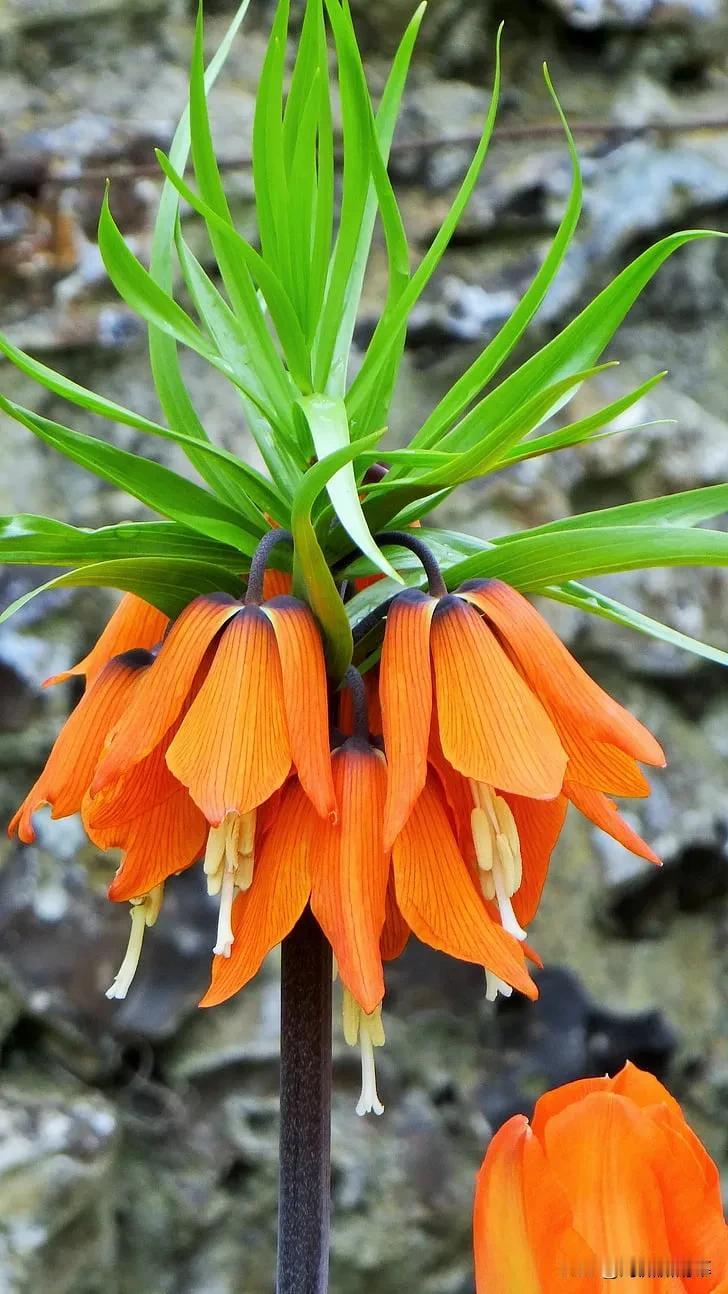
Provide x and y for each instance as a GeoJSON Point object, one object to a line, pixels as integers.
{"type": "Point", "coordinates": [71, 763]}
{"type": "Point", "coordinates": [605, 1155]}
{"type": "Point", "coordinates": [232, 750]}
{"type": "Point", "coordinates": [395, 932]}
{"type": "Point", "coordinates": [492, 728]}
{"type": "Point", "coordinates": [350, 873]}
{"type": "Point", "coordinates": [539, 824]}
{"type": "Point", "coordinates": [134, 624]}
{"type": "Point", "coordinates": [604, 768]}
{"type": "Point", "coordinates": [524, 1240]}
{"type": "Point", "coordinates": [306, 702]}
{"type": "Point", "coordinates": [167, 838]}
{"type": "Point", "coordinates": [405, 690]}
{"type": "Point", "coordinates": [158, 703]}
{"type": "Point", "coordinates": [438, 899]}
{"type": "Point", "coordinates": [603, 813]}
{"type": "Point", "coordinates": [575, 701]}
{"type": "Point", "coordinates": [268, 911]}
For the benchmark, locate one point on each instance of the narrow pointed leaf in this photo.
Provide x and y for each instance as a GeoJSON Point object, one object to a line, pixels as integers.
{"type": "Point", "coordinates": [41, 541]}
{"type": "Point", "coordinates": [330, 432]}
{"type": "Point", "coordinates": [156, 486]}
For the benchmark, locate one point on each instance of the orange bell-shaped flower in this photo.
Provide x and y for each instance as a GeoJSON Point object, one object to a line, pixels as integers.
{"type": "Point", "coordinates": [608, 1184]}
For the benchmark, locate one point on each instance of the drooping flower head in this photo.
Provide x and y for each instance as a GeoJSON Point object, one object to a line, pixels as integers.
{"type": "Point", "coordinates": [608, 1184]}
{"type": "Point", "coordinates": [477, 685]}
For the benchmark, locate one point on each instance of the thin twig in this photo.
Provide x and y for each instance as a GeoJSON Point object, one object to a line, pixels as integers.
{"type": "Point", "coordinates": [522, 131]}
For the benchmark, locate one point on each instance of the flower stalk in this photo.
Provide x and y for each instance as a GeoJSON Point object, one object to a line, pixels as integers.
{"type": "Point", "coordinates": [305, 1128]}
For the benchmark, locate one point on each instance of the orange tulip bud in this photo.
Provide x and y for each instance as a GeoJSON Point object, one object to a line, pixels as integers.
{"type": "Point", "coordinates": [608, 1183]}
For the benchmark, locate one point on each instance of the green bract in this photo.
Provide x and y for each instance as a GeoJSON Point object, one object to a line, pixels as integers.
{"type": "Point", "coordinates": [279, 328]}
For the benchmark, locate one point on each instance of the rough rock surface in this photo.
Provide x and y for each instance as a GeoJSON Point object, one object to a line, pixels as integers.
{"type": "Point", "coordinates": [139, 1139]}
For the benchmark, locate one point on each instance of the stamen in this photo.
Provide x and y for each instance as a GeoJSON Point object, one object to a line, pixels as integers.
{"type": "Point", "coordinates": [495, 985]}
{"type": "Point", "coordinates": [498, 851]}
{"type": "Point", "coordinates": [225, 937]}
{"type": "Point", "coordinates": [369, 1032]}
{"type": "Point", "coordinates": [229, 862]}
{"type": "Point", "coordinates": [144, 912]}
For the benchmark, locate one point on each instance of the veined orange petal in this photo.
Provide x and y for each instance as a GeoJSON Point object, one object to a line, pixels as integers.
{"type": "Point", "coordinates": [438, 900]}
{"type": "Point", "coordinates": [268, 911]}
{"type": "Point", "coordinates": [70, 767]}
{"type": "Point", "coordinates": [166, 688]}
{"type": "Point", "coordinates": [524, 1239]}
{"type": "Point", "coordinates": [395, 932]}
{"type": "Point", "coordinates": [306, 702]}
{"type": "Point", "coordinates": [605, 1155]}
{"type": "Point", "coordinates": [276, 584]}
{"type": "Point", "coordinates": [691, 1196]}
{"type": "Point", "coordinates": [169, 837]}
{"type": "Point", "coordinates": [604, 768]}
{"type": "Point", "coordinates": [603, 813]}
{"type": "Point", "coordinates": [350, 872]}
{"type": "Point", "coordinates": [134, 624]}
{"type": "Point", "coordinates": [551, 1103]}
{"type": "Point", "coordinates": [550, 669]}
{"type": "Point", "coordinates": [232, 750]}
{"type": "Point", "coordinates": [405, 691]}
{"type": "Point", "coordinates": [492, 728]}
{"type": "Point", "coordinates": [539, 824]}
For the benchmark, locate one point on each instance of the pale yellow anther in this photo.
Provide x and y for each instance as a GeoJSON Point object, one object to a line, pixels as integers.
{"type": "Point", "coordinates": [495, 985]}
{"type": "Point", "coordinates": [229, 863]}
{"type": "Point", "coordinates": [144, 912]}
{"type": "Point", "coordinates": [368, 1031]}
{"type": "Point", "coordinates": [498, 851]}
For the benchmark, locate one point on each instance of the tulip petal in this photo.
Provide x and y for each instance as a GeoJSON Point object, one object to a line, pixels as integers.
{"type": "Point", "coordinates": [603, 813]}
{"type": "Point", "coordinates": [268, 911]}
{"type": "Point", "coordinates": [524, 1240]}
{"type": "Point", "coordinates": [158, 703]}
{"type": "Point", "coordinates": [134, 624]}
{"type": "Point", "coordinates": [306, 702]}
{"type": "Point", "coordinates": [605, 1154]}
{"type": "Point", "coordinates": [539, 824]}
{"type": "Point", "coordinates": [350, 873]}
{"type": "Point", "coordinates": [71, 763]}
{"type": "Point", "coordinates": [437, 896]}
{"type": "Point", "coordinates": [492, 728]}
{"type": "Point", "coordinates": [405, 690]}
{"type": "Point", "coordinates": [232, 749]}
{"type": "Point", "coordinates": [576, 702]}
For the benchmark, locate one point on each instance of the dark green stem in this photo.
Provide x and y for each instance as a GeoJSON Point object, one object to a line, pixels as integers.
{"type": "Point", "coordinates": [259, 564]}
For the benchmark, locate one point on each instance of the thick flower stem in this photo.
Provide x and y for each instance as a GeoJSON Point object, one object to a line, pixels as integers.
{"type": "Point", "coordinates": [305, 1170]}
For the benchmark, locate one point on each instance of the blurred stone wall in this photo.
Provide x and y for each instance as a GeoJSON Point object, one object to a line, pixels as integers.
{"type": "Point", "coordinates": [139, 1139]}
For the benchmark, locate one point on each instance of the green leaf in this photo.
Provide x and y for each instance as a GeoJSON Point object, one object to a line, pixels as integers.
{"type": "Point", "coordinates": [276, 298]}
{"type": "Point", "coordinates": [330, 431]}
{"type": "Point", "coordinates": [167, 584]}
{"type": "Point", "coordinates": [171, 390]}
{"type": "Point", "coordinates": [485, 450]}
{"type": "Point", "coordinates": [353, 78]}
{"type": "Point", "coordinates": [388, 331]}
{"type": "Point", "coordinates": [688, 508]}
{"type": "Point", "coordinates": [533, 561]}
{"type": "Point", "coordinates": [461, 395]}
{"type": "Point", "coordinates": [156, 486]}
{"type": "Point", "coordinates": [264, 359]}
{"type": "Point", "coordinates": [582, 342]}
{"type": "Point", "coordinates": [354, 191]}
{"type": "Point", "coordinates": [312, 576]}
{"type": "Point", "coordinates": [598, 604]}
{"type": "Point", "coordinates": [41, 541]}
{"type": "Point", "coordinates": [269, 167]}
{"type": "Point", "coordinates": [137, 287]}
{"type": "Point", "coordinates": [585, 429]}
